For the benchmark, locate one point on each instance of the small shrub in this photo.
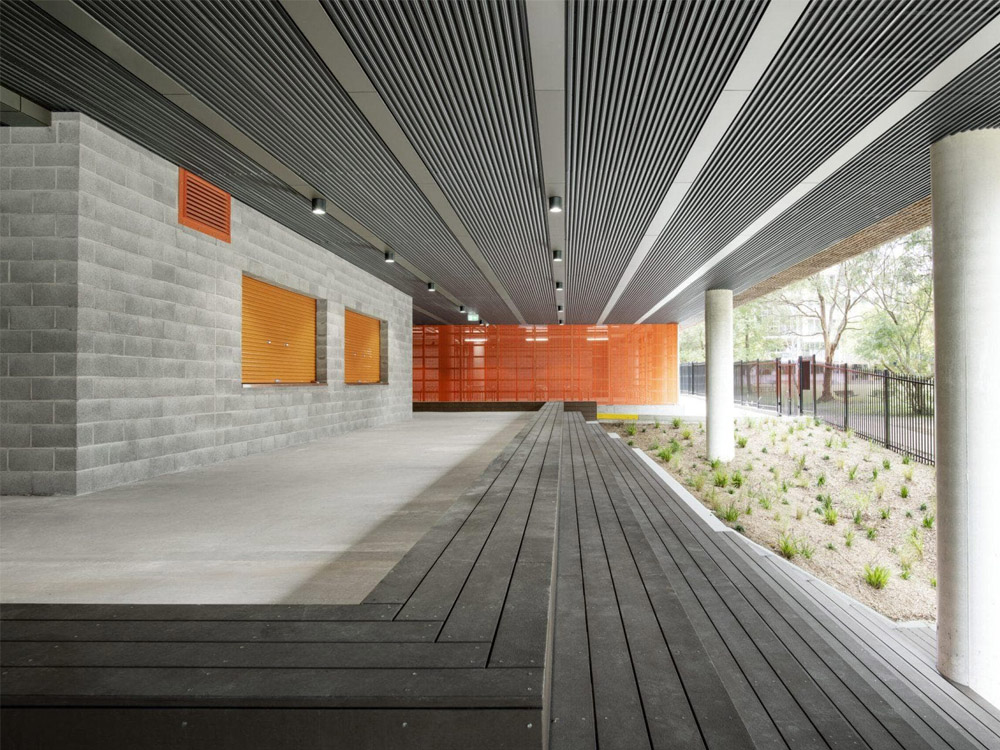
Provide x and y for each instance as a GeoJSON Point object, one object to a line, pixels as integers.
{"type": "Point", "coordinates": [741, 441]}
{"type": "Point", "coordinates": [858, 518]}
{"type": "Point", "coordinates": [906, 459]}
{"type": "Point", "coordinates": [852, 472]}
{"type": "Point", "coordinates": [877, 576]}
{"type": "Point", "coordinates": [923, 506]}
{"type": "Point", "coordinates": [765, 502]}
{"type": "Point", "coordinates": [676, 422]}
{"type": "Point", "coordinates": [656, 424]}
{"type": "Point", "coordinates": [874, 473]}
{"type": "Point", "coordinates": [871, 533]}
{"type": "Point", "coordinates": [675, 445]}
{"type": "Point", "coordinates": [885, 512]}
{"type": "Point", "coordinates": [631, 442]}
{"type": "Point", "coordinates": [654, 446]}
{"type": "Point", "coordinates": [933, 582]}
{"type": "Point", "coordinates": [698, 482]}
{"type": "Point", "coordinates": [715, 463]}
{"type": "Point", "coordinates": [928, 521]}
{"type": "Point", "coordinates": [829, 442]}
{"type": "Point", "coordinates": [904, 491]}
{"type": "Point", "coordinates": [879, 489]}
{"type": "Point", "coordinates": [826, 457]}
{"type": "Point", "coordinates": [787, 547]}
{"type": "Point", "coordinates": [831, 546]}
{"type": "Point", "coordinates": [784, 485]}
{"type": "Point", "coordinates": [840, 464]}
{"type": "Point", "coordinates": [821, 480]}
{"type": "Point", "coordinates": [720, 478]}
{"type": "Point", "coordinates": [806, 549]}
{"type": "Point", "coordinates": [799, 513]}
{"type": "Point", "coordinates": [906, 567]}
{"type": "Point", "coordinates": [686, 433]}
{"type": "Point", "coordinates": [664, 455]}
{"type": "Point", "coordinates": [830, 516]}
{"type": "Point", "coordinates": [908, 473]}
{"type": "Point", "coordinates": [739, 527]}
{"type": "Point", "coordinates": [791, 429]}
{"type": "Point", "coordinates": [737, 478]}
{"type": "Point", "coordinates": [916, 542]}
{"type": "Point", "coordinates": [630, 429]}
{"type": "Point", "coordinates": [885, 464]}
{"type": "Point", "coordinates": [731, 512]}
{"type": "Point", "coordinates": [848, 538]}
{"type": "Point", "coordinates": [801, 461]}
{"type": "Point", "coordinates": [909, 514]}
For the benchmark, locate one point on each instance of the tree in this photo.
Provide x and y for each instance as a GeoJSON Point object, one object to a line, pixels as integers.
{"type": "Point", "coordinates": [692, 343]}
{"type": "Point", "coordinates": [831, 298]}
{"type": "Point", "coordinates": [898, 333]}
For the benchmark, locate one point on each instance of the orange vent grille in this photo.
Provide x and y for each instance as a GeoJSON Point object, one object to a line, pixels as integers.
{"type": "Point", "coordinates": [362, 348]}
{"type": "Point", "coordinates": [203, 206]}
{"type": "Point", "coordinates": [279, 335]}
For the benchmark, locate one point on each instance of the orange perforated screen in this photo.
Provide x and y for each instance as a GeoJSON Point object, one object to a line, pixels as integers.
{"type": "Point", "coordinates": [279, 334]}
{"type": "Point", "coordinates": [203, 206]}
{"type": "Point", "coordinates": [362, 348]}
{"type": "Point", "coordinates": [615, 364]}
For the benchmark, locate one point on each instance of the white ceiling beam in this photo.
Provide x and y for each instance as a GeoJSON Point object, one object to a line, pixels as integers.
{"type": "Point", "coordinates": [985, 40]}
{"type": "Point", "coordinates": [547, 40]}
{"type": "Point", "coordinates": [321, 32]}
{"type": "Point", "coordinates": [771, 32]}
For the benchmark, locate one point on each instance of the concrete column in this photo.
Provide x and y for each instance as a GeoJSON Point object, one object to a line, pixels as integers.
{"type": "Point", "coordinates": [965, 180]}
{"type": "Point", "coordinates": [719, 373]}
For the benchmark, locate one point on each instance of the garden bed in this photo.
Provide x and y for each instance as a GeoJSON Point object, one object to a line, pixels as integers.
{"type": "Point", "coordinates": [858, 516]}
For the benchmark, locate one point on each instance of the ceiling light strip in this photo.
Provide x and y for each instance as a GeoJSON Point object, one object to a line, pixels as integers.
{"type": "Point", "coordinates": [986, 39]}
{"type": "Point", "coordinates": [547, 40]}
{"type": "Point", "coordinates": [774, 27]}
{"type": "Point", "coordinates": [99, 36]}
{"type": "Point", "coordinates": [319, 30]}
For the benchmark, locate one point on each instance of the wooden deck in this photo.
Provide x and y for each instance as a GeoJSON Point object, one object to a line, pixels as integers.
{"type": "Point", "coordinates": [569, 598]}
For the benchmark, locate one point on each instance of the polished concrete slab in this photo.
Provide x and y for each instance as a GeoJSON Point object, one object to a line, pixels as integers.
{"type": "Point", "coordinates": [316, 523]}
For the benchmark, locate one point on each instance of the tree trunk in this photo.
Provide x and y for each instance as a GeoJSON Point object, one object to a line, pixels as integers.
{"type": "Point", "coordinates": [827, 381]}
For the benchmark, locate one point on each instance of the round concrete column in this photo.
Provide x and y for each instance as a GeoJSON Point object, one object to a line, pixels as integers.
{"type": "Point", "coordinates": [965, 182]}
{"type": "Point", "coordinates": [719, 373]}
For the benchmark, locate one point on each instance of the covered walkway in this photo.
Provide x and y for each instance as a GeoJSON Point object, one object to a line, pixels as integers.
{"type": "Point", "coordinates": [569, 597]}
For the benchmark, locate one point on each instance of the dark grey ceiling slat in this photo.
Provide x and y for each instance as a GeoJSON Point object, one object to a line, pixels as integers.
{"type": "Point", "coordinates": [641, 80]}
{"type": "Point", "coordinates": [456, 77]}
{"type": "Point", "coordinates": [843, 65]}
{"type": "Point", "coordinates": [89, 82]}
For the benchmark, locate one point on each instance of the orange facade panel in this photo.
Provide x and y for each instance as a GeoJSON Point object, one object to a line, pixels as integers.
{"type": "Point", "coordinates": [362, 348]}
{"type": "Point", "coordinates": [279, 334]}
{"type": "Point", "coordinates": [616, 364]}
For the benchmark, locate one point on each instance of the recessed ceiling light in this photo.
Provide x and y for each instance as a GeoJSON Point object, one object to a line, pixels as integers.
{"type": "Point", "coordinates": [319, 205]}
{"type": "Point", "coordinates": [557, 256]}
{"type": "Point", "coordinates": [461, 308]}
{"type": "Point", "coordinates": [390, 256]}
{"type": "Point", "coordinates": [559, 308]}
{"type": "Point", "coordinates": [555, 204]}
{"type": "Point", "coordinates": [559, 285]}
{"type": "Point", "coordinates": [431, 286]}
{"type": "Point", "coordinates": [562, 322]}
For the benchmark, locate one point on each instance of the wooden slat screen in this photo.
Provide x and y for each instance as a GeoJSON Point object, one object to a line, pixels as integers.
{"type": "Point", "coordinates": [203, 206]}
{"type": "Point", "coordinates": [279, 334]}
{"type": "Point", "coordinates": [362, 348]}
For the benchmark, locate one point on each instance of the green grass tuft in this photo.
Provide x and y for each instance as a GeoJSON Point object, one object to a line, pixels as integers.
{"type": "Point", "coordinates": [877, 576]}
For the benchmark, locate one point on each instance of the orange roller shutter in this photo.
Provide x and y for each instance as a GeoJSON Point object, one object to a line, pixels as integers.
{"type": "Point", "coordinates": [362, 348]}
{"type": "Point", "coordinates": [279, 334]}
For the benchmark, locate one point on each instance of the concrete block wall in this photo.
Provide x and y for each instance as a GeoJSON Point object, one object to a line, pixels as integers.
{"type": "Point", "coordinates": [39, 206]}
{"type": "Point", "coordinates": [158, 384]}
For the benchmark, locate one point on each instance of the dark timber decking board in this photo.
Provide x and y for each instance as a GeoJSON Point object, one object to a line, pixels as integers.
{"type": "Point", "coordinates": [568, 554]}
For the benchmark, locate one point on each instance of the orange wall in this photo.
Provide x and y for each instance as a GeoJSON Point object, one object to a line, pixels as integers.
{"type": "Point", "coordinates": [619, 364]}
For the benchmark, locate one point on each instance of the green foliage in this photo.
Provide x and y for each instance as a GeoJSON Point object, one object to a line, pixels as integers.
{"type": "Point", "coordinates": [871, 533]}
{"type": "Point", "coordinates": [821, 480]}
{"type": "Point", "coordinates": [675, 445]}
{"type": "Point", "coordinates": [848, 538]}
{"type": "Point", "coordinates": [904, 491]}
{"type": "Point", "coordinates": [630, 429]}
{"type": "Point", "coordinates": [741, 441]}
{"type": "Point", "coordinates": [665, 454]}
{"type": "Point", "coordinates": [806, 549]}
{"type": "Point", "coordinates": [686, 433]}
{"type": "Point", "coordinates": [885, 464]}
{"type": "Point", "coordinates": [787, 547]}
{"type": "Point", "coordinates": [874, 473]}
{"type": "Point", "coordinates": [737, 478]}
{"type": "Point", "coordinates": [858, 517]}
{"type": "Point", "coordinates": [654, 446]}
{"type": "Point", "coordinates": [631, 442]}
{"type": "Point", "coordinates": [933, 582]}
{"type": "Point", "coordinates": [739, 527]}
{"type": "Point", "coordinates": [765, 502]}
{"type": "Point", "coordinates": [907, 459]}
{"type": "Point", "coordinates": [720, 478]}
{"type": "Point", "coordinates": [830, 516]}
{"type": "Point", "coordinates": [656, 424]}
{"type": "Point", "coordinates": [877, 576]}
{"type": "Point", "coordinates": [676, 422]}
{"type": "Point", "coordinates": [831, 546]}
{"type": "Point", "coordinates": [928, 521]}
{"type": "Point", "coordinates": [801, 462]}
{"type": "Point", "coordinates": [916, 542]}
{"type": "Point", "coordinates": [885, 512]}
{"type": "Point", "coordinates": [908, 474]}
{"type": "Point", "coordinates": [852, 472]}
{"type": "Point", "coordinates": [698, 481]}
{"type": "Point", "coordinates": [730, 512]}
{"type": "Point", "coordinates": [715, 463]}
{"type": "Point", "coordinates": [829, 442]}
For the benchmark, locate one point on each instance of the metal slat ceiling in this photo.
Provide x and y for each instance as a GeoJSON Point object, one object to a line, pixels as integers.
{"type": "Point", "coordinates": [87, 81]}
{"type": "Point", "coordinates": [641, 78]}
{"type": "Point", "coordinates": [843, 64]}
{"type": "Point", "coordinates": [456, 77]}
{"type": "Point", "coordinates": [892, 173]}
{"type": "Point", "coordinates": [230, 54]}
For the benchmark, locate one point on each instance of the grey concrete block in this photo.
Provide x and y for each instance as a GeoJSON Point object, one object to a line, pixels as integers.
{"type": "Point", "coordinates": [53, 436]}
{"type": "Point", "coordinates": [31, 459]}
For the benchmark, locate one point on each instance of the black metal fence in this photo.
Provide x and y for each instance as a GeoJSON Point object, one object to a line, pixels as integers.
{"type": "Point", "coordinates": [894, 410]}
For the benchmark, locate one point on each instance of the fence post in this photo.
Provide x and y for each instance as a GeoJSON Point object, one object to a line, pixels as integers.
{"type": "Point", "coordinates": [815, 410]}
{"type": "Point", "coordinates": [885, 406]}
{"type": "Point", "coordinates": [757, 392]}
{"type": "Point", "coordinates": [799, 372]}
{"type": "Point", "coordinates": [741, 383]}
{"type": "Point", "coordinates": [847, 396]}
{"type": "Point", "coordinates": [777, 383]}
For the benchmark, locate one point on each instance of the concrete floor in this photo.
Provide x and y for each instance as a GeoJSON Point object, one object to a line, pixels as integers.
{"type": "Point", "coordinates": [317, 523]}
